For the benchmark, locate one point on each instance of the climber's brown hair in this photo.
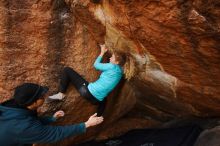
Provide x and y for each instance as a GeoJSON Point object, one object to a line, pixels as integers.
{"type": "Point", "coordinates": [126, 61]}
{"type": "Point", "coordinates": [120, 57]}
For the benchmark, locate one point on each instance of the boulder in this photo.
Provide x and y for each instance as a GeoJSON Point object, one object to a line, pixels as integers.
{"type": "Point", "coordinates": [174, 45]}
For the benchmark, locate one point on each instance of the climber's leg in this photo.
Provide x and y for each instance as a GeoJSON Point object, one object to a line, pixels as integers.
{"type": "Point", "coordinates": [79, 83]}
{"type": "Point", "coordinates": [101, 107]}
{"type": "Point", "coordinates": [69, 76]}
{"type": "Point", "coordinates": [84, 92]}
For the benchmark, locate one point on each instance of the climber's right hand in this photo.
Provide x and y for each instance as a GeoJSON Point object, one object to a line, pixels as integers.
{"type": "Point", "coordinates": [94, 120]}
{"type": "Point", "coordinates": [103, 49]}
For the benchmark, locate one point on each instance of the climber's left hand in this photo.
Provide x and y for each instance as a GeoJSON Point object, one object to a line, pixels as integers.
{"type": "Point", "coordinates": [103, 49]}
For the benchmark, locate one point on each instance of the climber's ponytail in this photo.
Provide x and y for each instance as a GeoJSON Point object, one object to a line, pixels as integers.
{"type": "Point", "coordinates": [126, 61]}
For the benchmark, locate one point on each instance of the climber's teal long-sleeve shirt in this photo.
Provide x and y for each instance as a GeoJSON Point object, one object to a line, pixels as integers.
{"type": "Point", "coordinates": [109, 78]}
{"type": "Point", "coordinates": [19, 127]}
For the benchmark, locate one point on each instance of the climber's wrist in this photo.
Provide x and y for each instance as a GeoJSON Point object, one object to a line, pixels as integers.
{"type": "Point", "coordinates": [87, 125]}
{"type": "Point", "coordinates": [101, 54]}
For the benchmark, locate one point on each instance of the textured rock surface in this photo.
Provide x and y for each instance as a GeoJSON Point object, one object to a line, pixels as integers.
{"type": "Point", "coordinates": [209, 137]}
{"type": "Point", "coordinates": [174, 43]}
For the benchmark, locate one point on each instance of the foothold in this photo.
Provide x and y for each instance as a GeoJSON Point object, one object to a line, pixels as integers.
{"type": "Point", "coordinates": [96, 1]}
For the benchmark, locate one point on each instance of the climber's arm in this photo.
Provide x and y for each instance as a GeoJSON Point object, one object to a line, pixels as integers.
{"type": "Point", "coordinates": [102, 66]}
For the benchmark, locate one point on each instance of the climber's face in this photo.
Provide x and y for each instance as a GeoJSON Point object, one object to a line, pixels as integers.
{"type": "Point", "coordinates": [113, 59]}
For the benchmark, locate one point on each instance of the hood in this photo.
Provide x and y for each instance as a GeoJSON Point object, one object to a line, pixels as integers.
{"type": "Point", "coordinates": [7, 113]}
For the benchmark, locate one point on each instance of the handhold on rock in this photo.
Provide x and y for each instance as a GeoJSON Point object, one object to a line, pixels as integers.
{"type": "Point", "coordinates": [96, 1]}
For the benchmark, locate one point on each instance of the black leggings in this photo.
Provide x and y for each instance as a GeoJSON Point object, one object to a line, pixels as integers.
{"type": "Point", "coordinates": [71, 76]}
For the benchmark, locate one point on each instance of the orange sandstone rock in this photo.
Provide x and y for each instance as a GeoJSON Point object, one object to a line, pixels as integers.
{"type": "Point", "coordinates": [175, 45]}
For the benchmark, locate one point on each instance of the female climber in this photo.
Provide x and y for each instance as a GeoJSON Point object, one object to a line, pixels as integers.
{"type": "Point", "coordinates": [95, 92]}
